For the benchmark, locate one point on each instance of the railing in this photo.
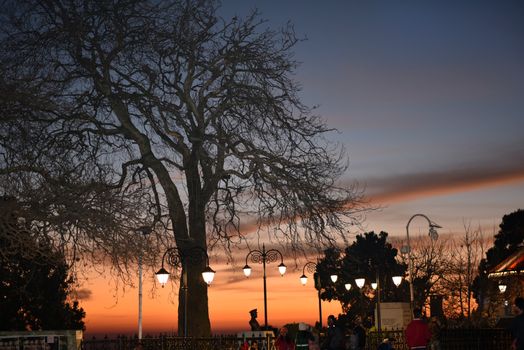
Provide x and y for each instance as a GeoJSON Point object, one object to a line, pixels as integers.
{"type": "Point", "coordinates": [450, 339]}
{"type": "Point", "coordinates": [475, 339]}
{"type": "Point", "coordinates": [177, 343]}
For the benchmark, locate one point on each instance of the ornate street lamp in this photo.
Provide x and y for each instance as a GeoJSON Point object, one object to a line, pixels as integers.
{"type": "Point", "coordinates": [181, 258]}
{"type": "Point", "coordinates": [264, 257]}
{"type": "Point", "coordinates": [433, 235]}
{"type": "Point", "coordinates": [311, 267]}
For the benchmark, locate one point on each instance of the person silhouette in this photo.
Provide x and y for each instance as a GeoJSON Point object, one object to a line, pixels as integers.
{"type": "Point", "coordinates": [253, 323]}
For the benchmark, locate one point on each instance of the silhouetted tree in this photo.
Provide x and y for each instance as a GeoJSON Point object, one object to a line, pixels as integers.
{"type": "Point", "coordinates": [35, 285]}
{"type": "Point", "coordinates": [460, 260]}
{"type": "Point", "coordinates": [507, 241]}
{"type": "Point", "coordinates": [430, 265]}
{"type": "Point", "coordinates": [370, 256]}
{"type": "Point", "coordinates": [161, 111]}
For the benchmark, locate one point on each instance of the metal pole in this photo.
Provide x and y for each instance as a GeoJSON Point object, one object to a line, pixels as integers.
{"type": "Point", "coordinates": [265, 293]}
{"type": "Point", "coordinates": [140, 296]}
{"type": "Point", "coordinates": [410, 268]}
{"type": "Point", "coordinates": [319, 307]}
{"type": "Point", "coordinates": [145, 230]}
{"type": "Point", "coordinates": [184, 279]}
{"type": "Point", "coordinates": [379, 318]}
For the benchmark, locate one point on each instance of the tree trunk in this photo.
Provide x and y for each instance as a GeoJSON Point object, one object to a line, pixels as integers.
{"type": "Point", "coordinates": [196, 310]}
{"type": "Point", "coordinates": [198, 324]}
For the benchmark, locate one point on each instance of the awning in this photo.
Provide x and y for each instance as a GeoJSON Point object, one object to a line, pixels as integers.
{"type": "Point", "coordinates": [512, 265]}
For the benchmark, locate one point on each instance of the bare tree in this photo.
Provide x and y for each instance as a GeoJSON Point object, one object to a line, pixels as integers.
{"type": "Point", "coordinates": [429, 266]}
{"type": "Point", "coordinates": [464, 257]}
{"type": "Point", "coordinates": [130, 111]}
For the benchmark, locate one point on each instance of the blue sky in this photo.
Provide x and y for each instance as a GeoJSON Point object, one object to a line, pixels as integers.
{"type": "Point", "coordinates": [428, 97]}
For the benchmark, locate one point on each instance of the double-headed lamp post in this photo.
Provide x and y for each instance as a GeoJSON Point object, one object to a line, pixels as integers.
{"type": "Point", "coordinates": [264, 257]}
{"type": "Point", "coordinates": [433, 234]}
{"type": "Point", "coordinates": [311, 267]}
{"type": "Point", "coordinates": [181, 258]}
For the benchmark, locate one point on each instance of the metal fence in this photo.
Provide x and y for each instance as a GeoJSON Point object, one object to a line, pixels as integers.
{"type": "Point", "coordinates": [450, 339]}
{"type": "Point", "coordinates": [475, 339]}
{"type": "Point", "coordinates": [177, 343]}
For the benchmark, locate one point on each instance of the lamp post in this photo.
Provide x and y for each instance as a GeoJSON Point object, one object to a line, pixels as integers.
{"type": "Point", "coordinates": [377, 286]}
{"type": "Point", "coordinates": [433, 235]}
{"type": "Point", "coordinates": [264, 257]}
{"type": "Point", "coordinates": [144, 230]}
{"type": "Point", "coordinates": [180, 258]}
{"type": "Point", "coordinates": [311, 267]}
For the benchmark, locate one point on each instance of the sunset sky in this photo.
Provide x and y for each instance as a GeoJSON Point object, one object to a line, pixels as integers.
{"type": "Point", "coordinates": [428, 98]}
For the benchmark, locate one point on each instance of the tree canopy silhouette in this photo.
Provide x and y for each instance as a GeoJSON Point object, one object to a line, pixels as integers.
{"type": "Point", "coordinates": [129, 112]}
{"type": "Point", "coordinates": [507, 241]}
{"type": "Point", "coordinates": [371, 257]}
{"type": "Point", "coordinates": [35, 287]}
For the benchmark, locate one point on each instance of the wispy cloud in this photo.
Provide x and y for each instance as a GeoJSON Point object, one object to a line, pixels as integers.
{"type": "Point", "coordinates": [417, 185]}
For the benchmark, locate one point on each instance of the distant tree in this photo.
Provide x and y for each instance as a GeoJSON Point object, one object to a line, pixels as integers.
{"type": "Point", "coordinates": [430, 265]}
{"type": "Point", "coordinates": [370, 256]}
{"type": "Point", "coordinates": [35, 285]}
{"type": "Point", "coordinates": [133, 111]}
{"type": "Point", "coordinates": [461, 258]}
{"type": "Point", "coordinates": [507, 241]}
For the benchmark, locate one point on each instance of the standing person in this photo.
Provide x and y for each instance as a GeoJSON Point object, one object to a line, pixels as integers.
{"type": "Point", "coordinates": [517, 326]}
{"type": "Point", "coordinates": [304, 337]}
{"type": "Point", "coordinates": [360, 333]}
{"type": "Point", "coordinates": [387, 344]}
{"type": "Point", "coordinates": [353, 340]}
{"type": "Point", "coordinates": [417, 332]}
{"type": "Point", "coordinates": [253, 323]}
{"type": "Point", "coordinates": [435, 327]}
{"type": "Point", "coordinates": [335, 337]}
{"type": "Point", "coordinates": [284, 341]}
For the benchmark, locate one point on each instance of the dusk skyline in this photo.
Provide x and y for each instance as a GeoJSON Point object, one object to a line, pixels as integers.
{"type": "Point", "coordinates": [427, 98]}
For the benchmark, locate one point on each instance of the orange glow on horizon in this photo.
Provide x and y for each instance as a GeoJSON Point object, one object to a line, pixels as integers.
{"type": "Point", "coordinates": [231, 296]}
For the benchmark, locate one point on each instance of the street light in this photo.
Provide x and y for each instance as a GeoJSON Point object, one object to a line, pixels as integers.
{"type": "Point", "coordinates": [376, 286]}
{"type": "Point", "coordinates": [502, 288]}
{"type": "Point", "coordinates": [397, 280]}
{"type": "Point", "coordinates": [144, 230]}
{"type": "Point", "coordinates": [180, 258]}
{"type": "Point", "coordinates": [360, 282]}
{"type": "Point", "coordinates": [433, 235]}
{"type": "Point", "coordinates": [311, 268]}
{"type": "Point", "coordinates": [263, 257]}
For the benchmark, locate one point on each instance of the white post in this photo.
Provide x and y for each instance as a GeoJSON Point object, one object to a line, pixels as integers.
{"type": "Point", "coordinates": [144, 230]}
{"type": "Point", "coordinates": [140, 296]}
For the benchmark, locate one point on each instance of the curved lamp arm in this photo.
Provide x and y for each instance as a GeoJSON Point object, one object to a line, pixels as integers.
{"type": "Point", "coordinates": [177, 258]}
{"type": "Point", "coordinates": [263, 257]}
{"type": "Point", "coordinates": [311, 268]}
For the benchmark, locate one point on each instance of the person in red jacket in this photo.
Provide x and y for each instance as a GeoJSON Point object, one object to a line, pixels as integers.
{"type": "Point", "coordinates": [417, 332]}
{"type": "Point", "coordinates": [284, 341]}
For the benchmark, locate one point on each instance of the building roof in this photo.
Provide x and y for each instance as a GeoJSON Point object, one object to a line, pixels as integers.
{"type": "Point", "coordinates": [512, 265]}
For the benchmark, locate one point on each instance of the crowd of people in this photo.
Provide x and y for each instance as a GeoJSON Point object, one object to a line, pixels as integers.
{"type": "Point", "coordinates": [420, 334]}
